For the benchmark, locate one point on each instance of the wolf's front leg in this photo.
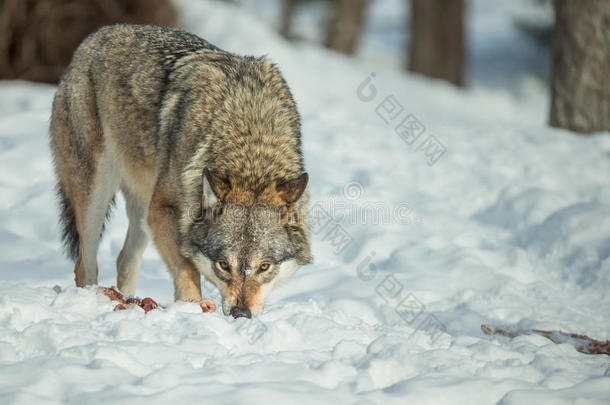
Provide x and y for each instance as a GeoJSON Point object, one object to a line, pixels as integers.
{"type": "Point", "coordinates": [163, 224]}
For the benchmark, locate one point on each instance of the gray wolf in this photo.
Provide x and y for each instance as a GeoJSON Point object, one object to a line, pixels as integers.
{"type": "Point", "coordinates": [205, 147]}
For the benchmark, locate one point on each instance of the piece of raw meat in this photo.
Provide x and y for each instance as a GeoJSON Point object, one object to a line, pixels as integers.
{"type": "Point", "coordinates": [147, 304]}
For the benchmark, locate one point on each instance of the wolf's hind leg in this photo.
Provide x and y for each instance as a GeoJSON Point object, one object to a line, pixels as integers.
{"type": "Point", "coordinates": [86, 175]}
{"type": "Point", "coordinates": [130, 259]}
{"type": "Point", "coordinates": [96, 210]}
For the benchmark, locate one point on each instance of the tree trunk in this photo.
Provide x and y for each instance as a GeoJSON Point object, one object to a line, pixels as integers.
{"type": "Point", "coordinates": [38, 37]}
{"type": "Point", "coordinates": [580, 88]}
{"type": "Point", "coordinates": [345, 24]}
{"type": "Point", "coordinates": [288, 11]}
{"type": "Point", "coordinates": [437, 39]}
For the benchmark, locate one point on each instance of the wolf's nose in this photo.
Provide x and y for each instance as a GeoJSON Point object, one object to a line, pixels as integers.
{"type": "Point", "coordinates": [238, 312]}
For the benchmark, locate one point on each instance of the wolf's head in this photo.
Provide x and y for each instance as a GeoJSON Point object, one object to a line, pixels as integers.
{"type": "Point", "coordinates": [248, 244]}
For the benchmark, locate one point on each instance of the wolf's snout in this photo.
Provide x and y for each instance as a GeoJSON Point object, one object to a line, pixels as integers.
{"type": "Point", "coordinates": [239, 312]}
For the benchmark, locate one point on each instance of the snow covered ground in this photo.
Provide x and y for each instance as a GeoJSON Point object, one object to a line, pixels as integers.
{"type": "Point", "coordinates": [414, 249]}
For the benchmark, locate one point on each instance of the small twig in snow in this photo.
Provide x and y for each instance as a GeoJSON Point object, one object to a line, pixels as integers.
{"type": "Point", "coordinates": [582, 343]}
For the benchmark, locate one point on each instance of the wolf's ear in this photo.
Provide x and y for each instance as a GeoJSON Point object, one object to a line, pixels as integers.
{"type": "Point", "coordinates": [214, 188]}
{"type": "Point", "coordinates": [290, 191]}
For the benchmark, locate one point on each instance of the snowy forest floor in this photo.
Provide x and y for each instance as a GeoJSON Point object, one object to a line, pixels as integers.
{"type": "Point", "coordinates": [483, 216]}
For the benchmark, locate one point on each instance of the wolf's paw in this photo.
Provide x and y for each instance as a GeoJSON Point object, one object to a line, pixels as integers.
{"type": "Point", "coordinates": [206, 304]}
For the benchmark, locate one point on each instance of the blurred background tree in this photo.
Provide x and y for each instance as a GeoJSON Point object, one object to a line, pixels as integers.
{"type": "Point", "coordinates": [344, 21]}
{"type": "Point", "coordinates": [38, 37]}
{"type": "Point", "coordinates": [580, 85]}
{"type": "Point", "coordinates": [437, 39]}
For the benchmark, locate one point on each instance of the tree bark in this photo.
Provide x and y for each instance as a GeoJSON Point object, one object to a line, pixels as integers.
{"type": "Point", "coordinates": [580, 87]}
{"type": "Point", "coordinates": [288, 11]}
{"type": "Point", "coordinates": [437, 39]}
{"type": "Point", "coordinates": [38, 37]}
{"type": "Point", "coordinates": [345, 24]}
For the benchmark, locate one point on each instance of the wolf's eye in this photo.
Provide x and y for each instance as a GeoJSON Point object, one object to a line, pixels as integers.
{"type": "Point", "coordinates": [264, 267]}
{"type": "Point", "coordinates": [223, 265]}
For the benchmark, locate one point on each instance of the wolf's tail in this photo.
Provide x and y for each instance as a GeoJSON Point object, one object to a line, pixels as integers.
{"type": "Point", "coordinates": [67, 221]}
